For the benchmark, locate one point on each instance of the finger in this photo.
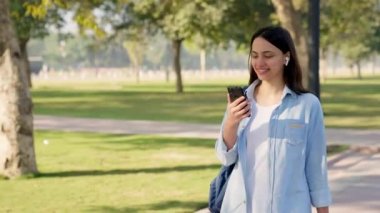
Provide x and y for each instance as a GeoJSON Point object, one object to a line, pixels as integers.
{"type": "Point", "coordinates": [248, 108]}
{"type": "Point", "coordinates": [246, 115]}
{"type": "Point", "coordinates": [244, 111]}
{"type": "Point", "coordinates": [238, 100]}
{"type": "Point", "coordinates": [242, 105]}
{"type": "Point", "coordinates": [237, 113]}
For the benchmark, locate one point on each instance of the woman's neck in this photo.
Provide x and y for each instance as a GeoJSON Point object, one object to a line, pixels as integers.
{"type": "Point", "coordinates": [269, 93]}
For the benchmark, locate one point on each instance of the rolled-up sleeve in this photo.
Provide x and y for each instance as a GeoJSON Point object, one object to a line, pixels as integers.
{"type": "Point", "coordinates": [316, 166]}
{"type": "Point", "coordinates": [226, 157]}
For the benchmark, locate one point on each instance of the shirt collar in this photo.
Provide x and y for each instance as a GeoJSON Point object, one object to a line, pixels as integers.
{"type": "Point", "coordinates": [251, 88]}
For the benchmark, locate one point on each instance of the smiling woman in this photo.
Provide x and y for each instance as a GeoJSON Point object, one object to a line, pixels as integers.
{"type": "Point", "coordinates": [275, 136]}
{"type": "Point", "coordinates": [267, 60]}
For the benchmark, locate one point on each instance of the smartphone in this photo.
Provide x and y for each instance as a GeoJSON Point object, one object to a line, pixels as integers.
{"type": "Point", "coordinates": [235, 92]}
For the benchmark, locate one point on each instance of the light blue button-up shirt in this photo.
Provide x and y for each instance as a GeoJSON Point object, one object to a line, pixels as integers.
{"type": "Point", "coordinates": [297, 158]}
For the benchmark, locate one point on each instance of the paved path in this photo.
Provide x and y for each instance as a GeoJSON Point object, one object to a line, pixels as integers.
{"type": "Point", "coordinates": [334, 136]}
{"type": "Point", "coordinates": [354, 175]}
{"type": "Point", "coordinates": [355, 184]}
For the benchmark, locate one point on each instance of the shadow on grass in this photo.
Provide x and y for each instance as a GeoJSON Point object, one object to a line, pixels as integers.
{"type": "Point", "coordinates": [162, 206]}
{"type": "Point", "coordinates": [125, 171]}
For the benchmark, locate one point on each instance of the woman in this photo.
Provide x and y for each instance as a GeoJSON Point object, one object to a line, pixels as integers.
{"type": "Point", "coordinates": [275, 136]}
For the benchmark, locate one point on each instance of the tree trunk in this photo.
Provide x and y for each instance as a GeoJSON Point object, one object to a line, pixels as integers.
{"type": "Point", "coordinates": [17, 156]}
{"type": "Point", "coordinates": [324, 64]}
{"type": "Point", "coordinates": [313, 47]}
{"type": "Point", "coordinates": [167, 74]}
{"type": "Point", "coordinates": [25, 59]}
{"type": "Point", "coordinates": [136, 69]}
{"type": "Point", "coordinates": [359, 69]}
{"type": "Point", "coordinates": [373, 63]}
{"type": "Point", "coordinates": [177, 63]}
{"type": "Point", "coordinates": [335, 58]}
{"type": "Point", "coordinates": [203, 63]}
{"type": "Point", "coordinates": [352, 71]}
{"type": "Point", "coordinates": [291, 20]}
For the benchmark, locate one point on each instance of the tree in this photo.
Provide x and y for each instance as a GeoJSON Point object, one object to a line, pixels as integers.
{"type": "Point", "coordinates": [134, 42]}
{"type": "Point", "coordinates": [32, 19]}
{"type": "Point", "coordinates": [30, 25]}
{"type": "Point", "coordinates": [242, 19]}
{"type": "Point", "coordinates": [17, 155]}
{"type": "Point", "coordinates": [201, 44]}
{"type": "Point", "coordinates": [235, 26]}
{"type": "Point", "coordinates": [135, 49]}
{"type": "Point", "coordinates": [340, 31]}
{"type": "Point", "coordinates": [177, 20]}
{"type": "Point", "coordinates": [314, 40]}
{"type": "Point", "coordinates": [355, 54]}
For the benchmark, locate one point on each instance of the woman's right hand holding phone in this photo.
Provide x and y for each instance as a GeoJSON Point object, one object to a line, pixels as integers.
{"type": "Point", "coordinates": [236, 111]}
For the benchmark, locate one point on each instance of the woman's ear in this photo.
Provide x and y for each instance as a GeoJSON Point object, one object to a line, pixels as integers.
{"type": "Point", "coordinates": [287, 59]}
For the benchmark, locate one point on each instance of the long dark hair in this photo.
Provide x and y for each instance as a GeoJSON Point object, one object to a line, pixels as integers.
{"type": "Point", "coordinates": [280, 38]}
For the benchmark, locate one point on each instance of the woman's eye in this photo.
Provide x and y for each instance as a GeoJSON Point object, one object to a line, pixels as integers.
{"type": "Point", "coordinates": [268, 56]}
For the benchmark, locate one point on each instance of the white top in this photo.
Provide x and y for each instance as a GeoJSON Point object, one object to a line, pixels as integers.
{"type": "Point", "coordinates": [257, 157]}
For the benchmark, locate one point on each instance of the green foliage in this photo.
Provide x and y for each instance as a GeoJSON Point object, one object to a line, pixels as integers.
{"type": "Point", "coordinates": [31, 18]}
{"type": "Point", "coordinates": [178, 20]}
{"type": "Point", "coordinates": [135, 50]}
{"type": "Point", "coordinates": [157, 52]}
{"type": "Point", "coordinates": [38, 14]}
{"type": "Point", "coordinates": [350, 27]}
{"type": "Point", "coordinates": [84, 51]}
{"type": "Point", "coordinates": [243, 18]}
{"type": "Point", "coordinates": [204, 21]}
{"type": "Point", "coordinates": [354, 52]}
{"type": "Point", "coordinates": [71, 52]}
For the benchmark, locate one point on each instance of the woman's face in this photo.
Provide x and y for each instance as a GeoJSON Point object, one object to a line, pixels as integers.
{"type": "Point", "coordinates": [267, 60]}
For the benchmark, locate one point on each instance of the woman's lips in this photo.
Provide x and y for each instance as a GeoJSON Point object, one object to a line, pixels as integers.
{"type": "Point", "coordinates": [262, 71]}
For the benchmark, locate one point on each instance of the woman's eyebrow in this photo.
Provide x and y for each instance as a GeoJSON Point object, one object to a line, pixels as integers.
{"type": "Point", "coordinates": [266, 51]}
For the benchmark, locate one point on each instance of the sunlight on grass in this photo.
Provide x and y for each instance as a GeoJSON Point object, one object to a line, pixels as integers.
{"type": "Point", "coordinates": [346, 102]}
{"type": "Point", "coordinates": [114, 173]}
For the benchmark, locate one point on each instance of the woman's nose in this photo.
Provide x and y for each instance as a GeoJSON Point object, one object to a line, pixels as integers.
{"type": "Point", "coordinates": [259, 61]}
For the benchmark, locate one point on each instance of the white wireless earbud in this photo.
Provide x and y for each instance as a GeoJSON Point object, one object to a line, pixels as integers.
{"type": "Point", "coordinates": [286, 61]}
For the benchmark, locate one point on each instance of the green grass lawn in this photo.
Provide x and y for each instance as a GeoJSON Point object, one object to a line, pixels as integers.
{"type": "Point", "coordinates": [352, 103]}
{"type": "Point", "coordinates": [348, 103]}
{"type": "Point", "coordinates": [86, 172]}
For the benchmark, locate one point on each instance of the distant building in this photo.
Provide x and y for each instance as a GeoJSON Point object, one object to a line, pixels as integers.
{"type": "Point", "coordinates": [36, 64]}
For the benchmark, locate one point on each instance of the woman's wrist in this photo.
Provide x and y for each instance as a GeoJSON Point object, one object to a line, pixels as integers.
{"type": "Point", "coordinates": [229, 134]}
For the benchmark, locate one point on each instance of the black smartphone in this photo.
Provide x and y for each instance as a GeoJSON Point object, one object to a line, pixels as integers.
{"type": "Point", "coordinates": [235, 92]}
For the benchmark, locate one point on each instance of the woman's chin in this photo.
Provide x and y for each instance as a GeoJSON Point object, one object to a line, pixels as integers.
{"type": "Point", "coordinates": [263, 77]}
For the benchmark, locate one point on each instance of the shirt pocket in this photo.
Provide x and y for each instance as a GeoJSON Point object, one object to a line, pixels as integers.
{"type": "Point", "coordinates": [295, 133]}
